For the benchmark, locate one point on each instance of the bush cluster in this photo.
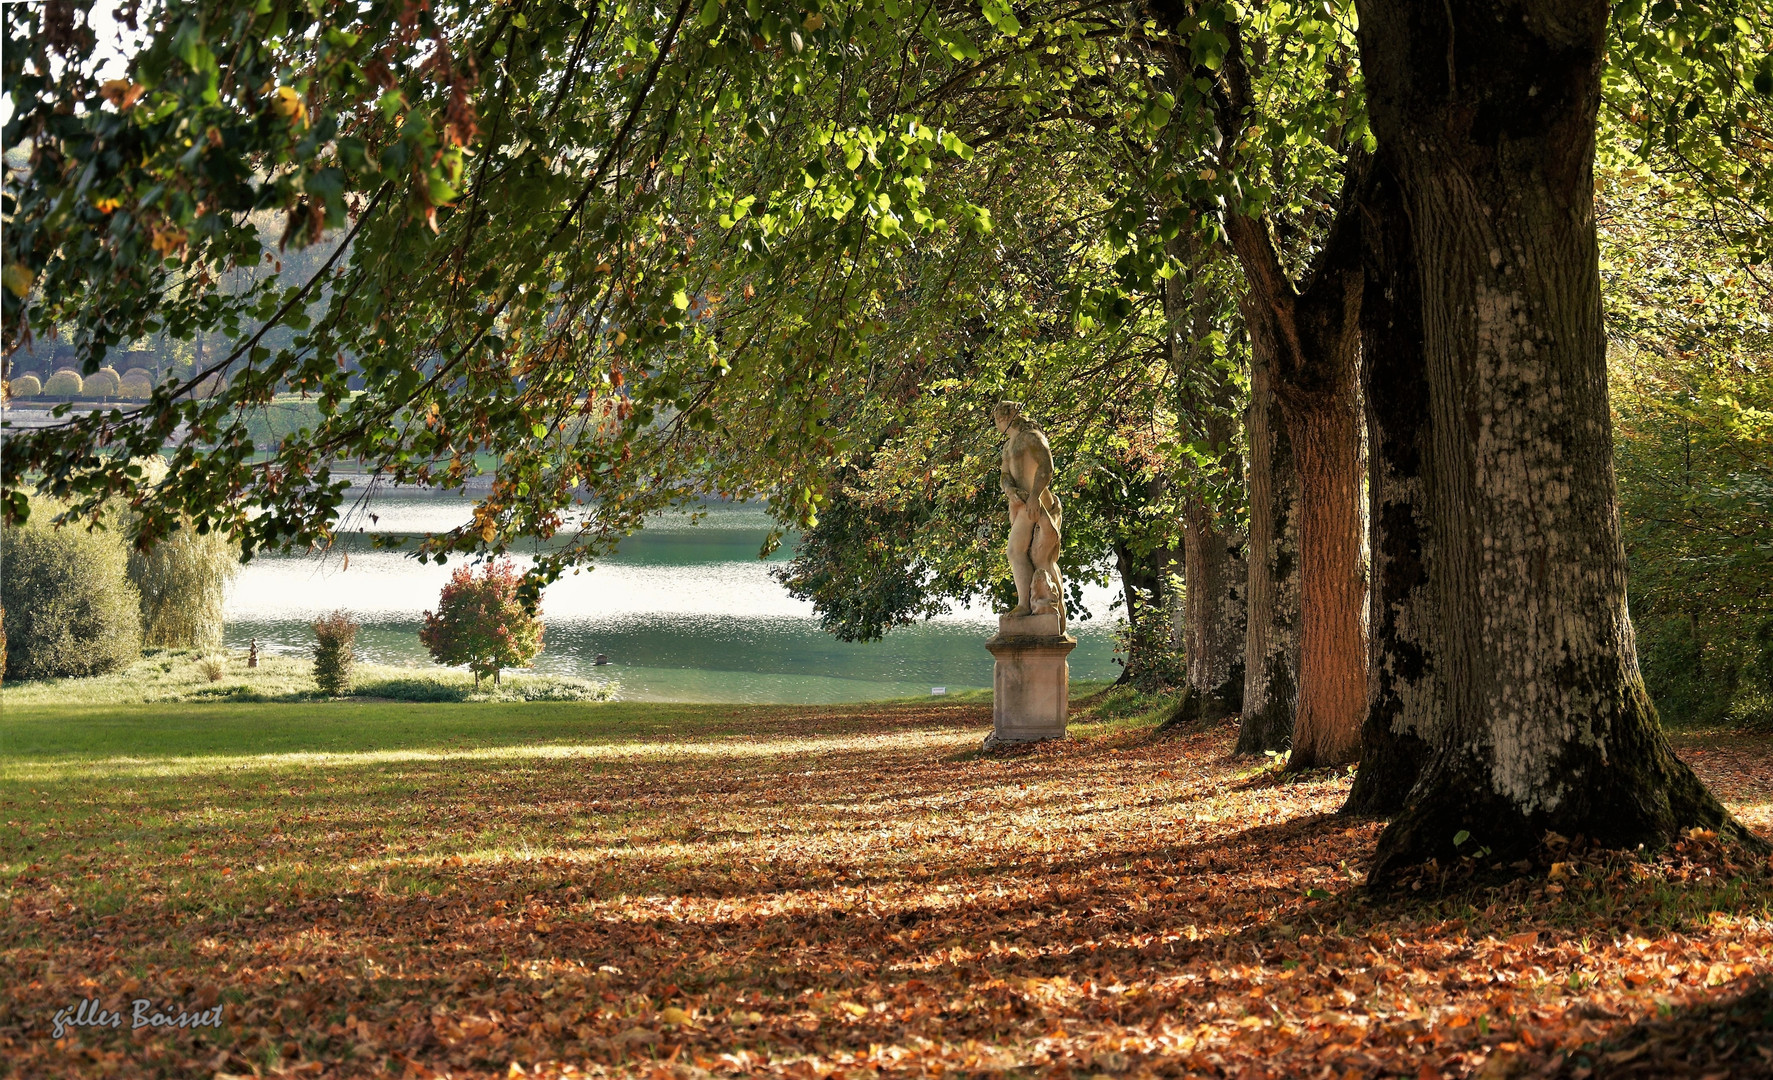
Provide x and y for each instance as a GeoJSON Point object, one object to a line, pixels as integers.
{"type": "Point", "coordinates": [71, 607]}
{"type": "Point", "coordinates": [26, 386]}
{"type": "Point", "coordinates": [83, 600]}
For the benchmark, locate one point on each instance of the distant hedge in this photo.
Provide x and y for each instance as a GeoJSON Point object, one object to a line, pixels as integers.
{"type": "Point", "coordinates": [135, 389]}
{"type": "Point", "coordinates": [71, 609]}
{"type": "Point", "coordinates": [64, 383]}
{"type": "Point", "coordinates": [103, 383]}
{"type": "Point", "coordinates": [26, 386]}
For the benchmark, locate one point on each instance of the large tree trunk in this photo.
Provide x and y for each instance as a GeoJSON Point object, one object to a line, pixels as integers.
{"type": "Point", "coordinates": [1315, 380]}
{"type": "Point", "coordinates": [1271, 651]}
{"type": "Point", "coordinates": [1489, 109]}
{"type": "Point", "coordinates": [1401, 706]}
{"type": "Point", "coordinates": [1321, 402]}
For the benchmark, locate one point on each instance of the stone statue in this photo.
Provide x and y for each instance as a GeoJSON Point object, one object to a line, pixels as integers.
{"type": "Point", "coordinates": [1035, 516]}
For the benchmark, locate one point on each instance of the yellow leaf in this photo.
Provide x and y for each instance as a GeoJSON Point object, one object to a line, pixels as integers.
{"type": "Point", "coordinates": [674, 1015]}
{"type": "Point", "coordinates": [17, 278]}
{"type": "Point", "coordinates": [854, 1009]}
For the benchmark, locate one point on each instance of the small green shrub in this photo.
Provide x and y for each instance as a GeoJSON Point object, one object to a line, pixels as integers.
{"type": "Point", "coordinates": [134, 389]}
{"type": "Point", "coordinates": [139, 373]}
{"type": "Point", "coordinates": [26, 386]}
{"type": "Point", "coordinates": [72, 609]}
{"type": "Point", "coordinates": [213, 667]}
{"type": "Point", "coordinates": [65, 383]}
{"type": "Point", "coordinates": [421, 689]}
{"type": "Point", "coordinates": [334, 636]}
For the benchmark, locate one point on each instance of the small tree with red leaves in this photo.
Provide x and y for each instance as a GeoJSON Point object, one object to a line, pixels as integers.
{"type": "Point", "coordinates": [480, 623]}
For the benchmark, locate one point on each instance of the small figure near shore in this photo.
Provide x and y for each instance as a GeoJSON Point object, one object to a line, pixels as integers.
{"type": "Point", "coordinates": [252, 654]}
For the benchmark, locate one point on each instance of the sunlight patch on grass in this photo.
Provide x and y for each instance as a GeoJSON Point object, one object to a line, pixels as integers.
{"type": "Point", "coordinates": [736, 746]}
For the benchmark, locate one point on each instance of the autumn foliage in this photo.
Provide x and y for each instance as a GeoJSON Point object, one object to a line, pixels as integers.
{"type": "Point", "coordinates": [681, 891]}
{"type": "Point", "coordinates": [480, 624]}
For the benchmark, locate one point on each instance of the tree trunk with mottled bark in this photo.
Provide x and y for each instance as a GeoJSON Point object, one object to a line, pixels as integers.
{"type": "Point", "coordinates": [1271, 643]}
{"type": "Point", "coordinates": [1544, 723]}
{"type": "Point", "coordinates": [1401, 706]}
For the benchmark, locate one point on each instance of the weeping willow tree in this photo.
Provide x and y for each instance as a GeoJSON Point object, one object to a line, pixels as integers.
{"type": "Point", "coordinates": [183, 579]}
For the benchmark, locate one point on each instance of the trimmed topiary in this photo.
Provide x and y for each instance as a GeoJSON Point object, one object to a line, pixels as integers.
{"type": "Point", "coordinates": [134, 389]}
{"type": "Point", "coordinates": [26, 386]}
{"type": "Point", "coordinates": [71, 610]}
{"type": "Point", "coordinates": [65, 383]}
{"type": "Point", "coordinates": [139, 373]}
{"type": "Point", "coordinates": [102, 383]}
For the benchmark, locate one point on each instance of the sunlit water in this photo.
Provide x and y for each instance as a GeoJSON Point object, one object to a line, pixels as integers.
{"type": "Point", "coordinates": [684, 612]}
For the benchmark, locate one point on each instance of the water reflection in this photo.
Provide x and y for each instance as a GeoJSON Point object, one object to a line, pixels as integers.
{"type": "Point", "coordinates": [685, 612]}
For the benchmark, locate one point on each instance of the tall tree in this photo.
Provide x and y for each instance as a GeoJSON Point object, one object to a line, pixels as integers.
{"type": "Point", "coordinates": [1544, 723]}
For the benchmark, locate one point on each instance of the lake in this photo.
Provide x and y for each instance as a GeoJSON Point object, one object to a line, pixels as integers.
{"type": "Point", "coordinates": [684, 611]}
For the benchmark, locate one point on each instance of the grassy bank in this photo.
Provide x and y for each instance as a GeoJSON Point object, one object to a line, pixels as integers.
{"type": "Point", "coordinates": [172, 676]}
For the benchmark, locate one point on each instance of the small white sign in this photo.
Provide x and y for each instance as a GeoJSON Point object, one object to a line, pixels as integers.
{"type": "Point", "coordinates": [938, 691]}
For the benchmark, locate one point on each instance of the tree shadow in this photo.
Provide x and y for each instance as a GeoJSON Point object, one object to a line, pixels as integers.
{"type": "Point", "coordinates": [1727, 1037]}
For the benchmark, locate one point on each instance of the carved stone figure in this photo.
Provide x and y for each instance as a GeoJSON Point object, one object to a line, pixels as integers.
{"type": "Point", "coordinates": [1031, 680]}
{"type": "Point", "coordinates": [1035, 516]}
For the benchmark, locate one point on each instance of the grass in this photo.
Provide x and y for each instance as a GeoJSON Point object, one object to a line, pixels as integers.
{"type": "Point", "coordinates": [609, 888]}
{"type": "Point", "coordinates": [169, 676]}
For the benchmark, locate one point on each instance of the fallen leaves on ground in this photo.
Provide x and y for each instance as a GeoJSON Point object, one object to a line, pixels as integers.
{"type": "Point", "coordinates": [879, 902]}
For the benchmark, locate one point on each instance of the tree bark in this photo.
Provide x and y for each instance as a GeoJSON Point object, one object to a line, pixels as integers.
{"type": "Point", "coordinates": [1322, 407]}
{"type": "Point", "coordinates": [1545, 725]}
{"type": "Point", "coordinates": [1402, 710]}
{"type": "Point", "coordinates": [1213, 614]}
{"type": "Point", "coordinates": [1315, 381]}
{"type": "Point", "coordinates": [1271, 644]}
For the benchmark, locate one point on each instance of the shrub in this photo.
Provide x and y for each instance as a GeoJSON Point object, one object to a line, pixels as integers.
{"type": "Point", "coordinates": [139, 373]}
{"type": "Point", "coordinates": [65, 383]}
{"type": "Point", "coordinates": [480, 623]}
{"type": "Point", "coordinates": [102, 383]}
{"type": "Point", "coordinates": [135, 389]}
{"type": "Point", "coordinates": [213, 667]}
{"type": "Point", "coordinates": [1691, 685]}
{"type": "Point", "coordinates": [72, 610]}
{"type": "Point", "coordinates": [26, 386]}
{"type": "Point", "coordinates": [334, 636]}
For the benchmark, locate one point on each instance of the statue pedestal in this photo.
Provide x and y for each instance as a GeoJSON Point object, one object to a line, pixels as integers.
{"type": "Point", "coordinates": [1031, 687]}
